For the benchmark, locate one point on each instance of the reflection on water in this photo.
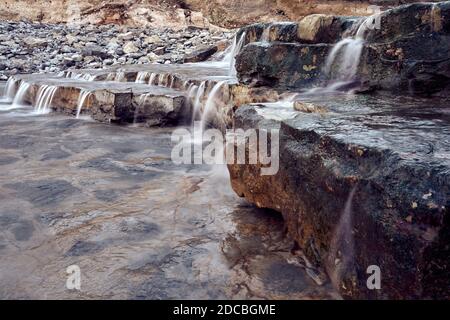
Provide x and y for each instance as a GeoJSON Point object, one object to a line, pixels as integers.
{"type": "Point", "coordinates": [109, 199]}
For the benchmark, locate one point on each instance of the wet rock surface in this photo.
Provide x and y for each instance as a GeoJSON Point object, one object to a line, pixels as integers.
{"type": "Point", "coordinates": [365, 183]}
{"type": "Point", "coordinates": [138, 226]}
{"type": "Point", "coordinates": [283, 65]}
{"type": "Point", "coordinates": [404, 49]}
{"type": "Point", "coordinates": [34, 47]}
{"type": "Point", "coordinates": [411, 50]}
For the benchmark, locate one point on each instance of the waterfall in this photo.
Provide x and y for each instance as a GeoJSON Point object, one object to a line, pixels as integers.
{"type": "Point", "coordinates": [341, 254]}
{"type": "Point", "coordinates": [20, 96]}
{"type": "Point", "coordinates": [10, 89]}
{"type": "Point", "coordinates": [140, 78]}
{"type": "Point", "coordinates": [79, 76]}
{"type": "Point", "coordinates": [120, 76]}
{"type": "Point", "coordinates": [265, 36]}
{"type": "Point", "coordinates": [84, 94]}
{"type": "Point", "coordinates": [346, 55]}
{"type": "Point", "coordinates": [436, 19]}
{"type": "Point", "coordinates": [164, 80]}
{"type": "Point", "coordinates": [210, 103]}
{"type": "Point", "coordinates": [141, 101]}
{"type": "Point", "coordinates": [151, 81]}
{"type": "Point", "coordinates": [197, 101]}
{"type": "Point", "coordinates": [230, 57]}
{"type": "Point", "coordinates": [172, 79]}
{"type": "Point", "coordinates": [44, 98]}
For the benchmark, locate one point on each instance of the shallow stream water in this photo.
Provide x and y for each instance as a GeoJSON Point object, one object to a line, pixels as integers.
{"type": "Point", "coordinates": [109, 199]}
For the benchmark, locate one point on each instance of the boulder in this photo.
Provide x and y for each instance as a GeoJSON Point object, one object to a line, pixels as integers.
{"type": "Point", "coordinates": [201, 54]}
{"type": "Point", "coordinates": [130, 47]}
{"type": "Point", "coordinates": [95, 51]}
{"type": "Point", "coordinates": [33, 42]}
{"type": "Point", "coordinates": [322, 28]}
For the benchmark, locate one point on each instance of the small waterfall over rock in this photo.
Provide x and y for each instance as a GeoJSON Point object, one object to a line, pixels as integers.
{"type": "Point", "coordinates": [44, 99]}
{"type": "Point", "coordinates": [196, 110]}
{"type": "Point", "coordinates": [210, 104]}
{"type": "Point", "coordinates": [341, 65]}
{"type": "Point", "coordinates": [140, 78]}
{"type": "Point", "coordinates": [84, 95]}
{"type": "Point", "coordinates": [120, 76]}
{"type": "Point", "coordinates": [435, 19]}
{"type": "Point", "coordinates": [19, 98]}
{"type": "Point", "coordinates": [341, 254]}
{"type": "Point", "coordinates": [151, 80]}
{"type": "Point", "coordinates": [265, 36]}
{"type": "Point", "coordinates": [140, 104]}
{"type": "Point", "coordinates": [81, 76]}
{"type": "Point", "coordinates": [172, 80]}
{"type": "Point", "coordinates": [230, 57]}
{"type": "Point", "coordinates": [10, 89]}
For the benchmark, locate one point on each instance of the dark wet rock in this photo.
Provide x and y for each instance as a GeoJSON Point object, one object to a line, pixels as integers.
{"type": "Point", "coordinates": [276, 31]}
{"type": "Point", "coordinates": [43, 192]}
{"type": "Point", "coordinates": [386, 169]}
{"type": "Point", "coordinates": [411, 20]}
{"type": "Point", "coordinates": [415, 65]}
{"type": "Point", "coordinates": [409, 52]}
{"type": "Point", "coordinates": [284, 65]}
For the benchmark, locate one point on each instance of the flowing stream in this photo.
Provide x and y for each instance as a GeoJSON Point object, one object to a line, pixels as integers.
{"type": "Point", "coordinates": [109, 199]}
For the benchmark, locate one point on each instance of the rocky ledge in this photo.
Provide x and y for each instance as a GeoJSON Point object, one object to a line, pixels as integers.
{"type": "Point", "coordinates": [402, 49]}
{"type": "Point", "coordinates": [37, 47]}
{"type": "Point", "coordinates": [361, 182]}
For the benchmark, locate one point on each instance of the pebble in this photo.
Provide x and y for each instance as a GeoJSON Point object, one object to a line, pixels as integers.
{"type": "Point", "coordinates": [27, 47]}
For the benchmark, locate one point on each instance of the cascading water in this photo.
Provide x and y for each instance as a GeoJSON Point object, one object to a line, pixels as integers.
{"type": "Point", "coordinates": [140, 78]}
{"type": "Point", "coordinates": [341, 65]}
{"type": "Point", "coordinates": [265, 36]}
{"type": "Point", "coordinates": [44, 99]}
{"type": "Point", "coordinates": [141, 101]}
{"type": "Point", "coordinates": [84, 95]}
{"type": "Point", "coordinates": [20, 96]}
{"type": "Point", "coordinates": [230, 57]}
{"type": "Point", "coordinates": [341, 254]}
{"type": "Point", "coordinates": [151, 81]}
{"type": "Point", "coordinates": [197, 101]}
{"type": "Point", "coordinates": [210, 104]}
{"type": "Point", "coordinates": [120, 76]}
{"type": "Point", "coordinates": [10, 90]}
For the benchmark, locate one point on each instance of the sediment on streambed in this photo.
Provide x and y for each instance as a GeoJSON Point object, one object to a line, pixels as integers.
{"type": "Point", "coordinates": [360, 103]}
